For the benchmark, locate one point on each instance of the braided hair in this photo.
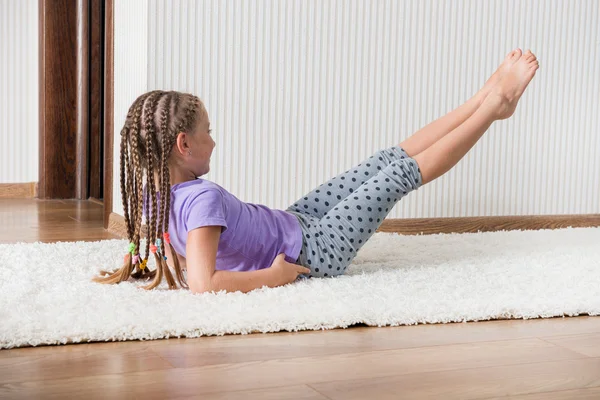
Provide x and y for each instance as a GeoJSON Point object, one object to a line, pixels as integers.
{"type": "Point", "coordinates": [150, 131]}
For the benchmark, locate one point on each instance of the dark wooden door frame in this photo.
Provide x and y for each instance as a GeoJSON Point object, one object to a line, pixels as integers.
{"type": "Point", "coordinates": [70, 98]}
{"type": "Point", "coordinates": [61, 84]}
{"type": "Point", "coordinates": [96, 99]}
{"type": "Point", "coordinates": [108, 108]}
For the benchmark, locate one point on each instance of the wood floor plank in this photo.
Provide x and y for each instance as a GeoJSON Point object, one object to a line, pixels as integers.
{"type": "Point", "coordinates": [472, 383]}
{"type": "Point", "coordinates": [587, 344]}
{"type": "Point", "coordinates": [363, 367]}
{"type": "Point", "coordinates": [298, 392]}
{"type": "Point", "coordinates": [592, 393]}
{"type": "Point", "coordinates": [256, 347]}
{"type": "Point", "coordinates": [101, 360]}
{"type": "Point", "coordinates": [32, 220]}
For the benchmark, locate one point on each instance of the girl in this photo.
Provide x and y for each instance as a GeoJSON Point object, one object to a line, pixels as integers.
{"type": "Point", "coordinates": [230, 245]}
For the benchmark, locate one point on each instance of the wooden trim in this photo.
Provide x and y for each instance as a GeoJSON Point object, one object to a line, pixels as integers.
{"type": "Point", "coordinates": [18, 190]}
{"type": "Point", "coordinates": [41, 100]}
{"type": "Point", "coordinates": [432, 226]}
{"type": "Point", "coordinates": [96, 99]}
{"type": "Point", "coordinates": [83, 99]}
{"type": "Point", "coordinates": [108, 110]}
{"type": "Point", "coordinates": [116, 226]}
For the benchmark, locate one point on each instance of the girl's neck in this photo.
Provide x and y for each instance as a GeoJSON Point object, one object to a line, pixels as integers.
{"type": "Point", "coordinates": [176, 177]}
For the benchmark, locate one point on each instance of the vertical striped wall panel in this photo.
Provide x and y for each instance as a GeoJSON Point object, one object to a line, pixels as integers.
{"type": "Point", "coordinates": [19, 120]}
{"type": "Point", "coordinates": [130, 72]}
{"type": "Point", "coordinates": [299, 91]}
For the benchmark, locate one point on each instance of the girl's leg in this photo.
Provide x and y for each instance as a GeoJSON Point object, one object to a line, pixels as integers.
{"type": "Point", "coordinates": [331, 243]}
{"type": "Point", "coordinates": [431, 133]}
{"type": "Point", "coordinates": [450, 149]}
{"type": "Point", "coordinates": [324, 197]}
{"type": "Point", "coordinates": [434, 131]}
{"type": "Point", "coordinates": [499, 104]}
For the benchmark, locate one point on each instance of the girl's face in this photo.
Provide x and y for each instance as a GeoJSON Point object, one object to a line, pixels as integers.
{"type": "Point", "coordinates": [202, 149]}
{"type": "Point", "coordinates": [195, 150]}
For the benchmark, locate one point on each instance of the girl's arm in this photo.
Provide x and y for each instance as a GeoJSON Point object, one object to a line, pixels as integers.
{"type": "Point", "coordinates": [201, 249]}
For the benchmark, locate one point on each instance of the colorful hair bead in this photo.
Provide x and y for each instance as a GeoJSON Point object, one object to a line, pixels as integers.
{"type": "Point", "coordinates": [143, 264]}
{"type": "Point", "coordinates": [131, 247]}
{"type": "Point", "coordinates": [153, 248]}
{"type": "Point", "coordinates": [167, 237]}
{"type": "Point", "coordinates": [165, 258]}
{"type": "Point", "coordinates": [126, 258]}
{"type": "Point", "coordinates": [158, 242]}
{"type": "Point", "coordinates": [135, 259]}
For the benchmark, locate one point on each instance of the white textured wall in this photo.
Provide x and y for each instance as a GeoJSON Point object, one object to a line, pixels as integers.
{"type": "Point", "coordinates": [130, 72]}
{"type": "Point", "coordinates": [299, 91]}
{"type": "Point", "coordinates": [19, 121]}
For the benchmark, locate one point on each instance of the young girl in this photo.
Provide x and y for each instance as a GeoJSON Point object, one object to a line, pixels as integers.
{"type": "Point", "coordinates": [230, 245]}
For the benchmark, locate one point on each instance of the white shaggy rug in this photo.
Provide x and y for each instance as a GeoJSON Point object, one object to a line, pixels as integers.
{"type": "Point", "coordinates": [46, 296]}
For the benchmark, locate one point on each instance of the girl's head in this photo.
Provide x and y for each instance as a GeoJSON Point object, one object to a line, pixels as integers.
{"type": "Point", "coordinates": [165, 140]}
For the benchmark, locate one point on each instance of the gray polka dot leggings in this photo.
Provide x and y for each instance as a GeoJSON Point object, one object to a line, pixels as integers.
{"type": "Point", "coordinates": [339, 216]}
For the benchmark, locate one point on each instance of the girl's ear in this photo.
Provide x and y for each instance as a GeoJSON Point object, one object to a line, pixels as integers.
{"type": "Point", "coordinates": [182, 143]}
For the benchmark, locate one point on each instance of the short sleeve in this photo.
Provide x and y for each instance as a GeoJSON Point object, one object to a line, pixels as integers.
{"type": "Point", "coordinates": [205, 209]}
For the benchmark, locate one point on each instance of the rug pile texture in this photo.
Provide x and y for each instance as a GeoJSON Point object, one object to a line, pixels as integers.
{"type": "Point", "coordinates": [47, 296]}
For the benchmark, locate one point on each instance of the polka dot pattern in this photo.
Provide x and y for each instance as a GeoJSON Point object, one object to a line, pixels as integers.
{"type": "Point", "coordinates": [339, 216]}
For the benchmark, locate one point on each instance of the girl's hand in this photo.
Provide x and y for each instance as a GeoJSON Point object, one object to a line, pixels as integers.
{"type": "Point", "coordinates": [286, 272]}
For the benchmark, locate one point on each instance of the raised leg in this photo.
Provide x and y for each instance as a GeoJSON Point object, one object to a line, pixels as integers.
{"type": "Point", "coordinates": [434, 131]}
{"type": "Point", "coordinates": [499, 104]}
{"type": "Point", "coordinates": [444, 154]}
{"type": "Point", "coordinates": [431, 133]}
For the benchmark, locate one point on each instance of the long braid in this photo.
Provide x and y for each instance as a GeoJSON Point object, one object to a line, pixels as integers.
{"type": "Point", "coordinates": [131, 221]}
{"type": "Point", "coordinates": [168, 142]}
{"type": "Point", "coordinates": [151, 184]}
{"type": "Point", "coordinates": [150, 193]}
{"type": "Point", "coordinates": [124, 156]}
{"type": "Point", "coordinates": [125, 178]}
{"type": "Point", "coordinates": [126, 172]}
{"type": "Point", "coordinates": [141, 197]}
{"type": "Point", "coordinates": [134, 187]}
{"type": "Point", "coordinates": [165, 186]}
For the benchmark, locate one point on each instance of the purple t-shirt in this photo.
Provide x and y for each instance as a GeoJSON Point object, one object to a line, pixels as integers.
{"type": "Point", "coordinates": [252, 234]}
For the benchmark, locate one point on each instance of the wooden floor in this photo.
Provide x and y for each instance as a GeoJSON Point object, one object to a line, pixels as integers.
{"type": "Point", "coordinates": [557, 358]}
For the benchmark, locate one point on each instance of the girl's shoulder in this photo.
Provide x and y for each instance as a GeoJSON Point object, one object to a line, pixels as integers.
{"type": "Point", "coordinates": [196, 187]}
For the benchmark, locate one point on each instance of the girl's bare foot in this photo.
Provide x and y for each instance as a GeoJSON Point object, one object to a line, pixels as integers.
{"type": "Point", "coordinates": [504, 96]}
{"type": "Point", "coordinates": [509, 60]}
